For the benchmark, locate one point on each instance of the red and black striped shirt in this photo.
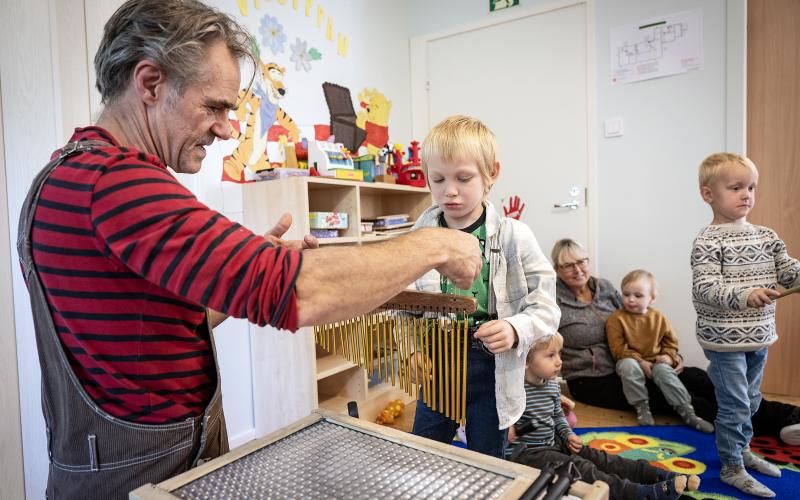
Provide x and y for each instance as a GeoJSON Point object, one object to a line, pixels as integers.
{"type": "Point", "coordinates": [129, 259]}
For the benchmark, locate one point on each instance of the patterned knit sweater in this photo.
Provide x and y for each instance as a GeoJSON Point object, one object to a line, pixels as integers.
{"type": "Point", "coordinates": [729, 261]}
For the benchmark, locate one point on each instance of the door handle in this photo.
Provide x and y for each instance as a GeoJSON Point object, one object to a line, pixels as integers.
{"type": "Point", "coordinates": [572, 205]}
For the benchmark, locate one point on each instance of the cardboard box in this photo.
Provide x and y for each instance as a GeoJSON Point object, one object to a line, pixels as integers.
{"type": "Point", "coordinates": [325, 233]}
{"type": "Point", "coordinates": [281, 173]}
{"type": "Point", "coordinates": [327, 220]}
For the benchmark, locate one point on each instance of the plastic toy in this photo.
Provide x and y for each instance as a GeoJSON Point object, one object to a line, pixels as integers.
{"type": "Point", "coordinates": [409, 174]}
{"type": "Point", "coordinates": [393, 410]}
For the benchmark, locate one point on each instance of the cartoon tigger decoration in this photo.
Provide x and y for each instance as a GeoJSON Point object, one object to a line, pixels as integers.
{"type": "Point", "coordinates": [260, 114]}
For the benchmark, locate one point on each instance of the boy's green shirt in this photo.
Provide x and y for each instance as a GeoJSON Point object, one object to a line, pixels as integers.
{"type": "Point", "coordinates": [480, 287]}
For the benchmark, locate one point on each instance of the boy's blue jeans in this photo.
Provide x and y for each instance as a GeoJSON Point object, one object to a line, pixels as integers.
{"type": "Point", "coordinates": [483, 435]}
{"type": "Point", "coordinates": [737, 386]}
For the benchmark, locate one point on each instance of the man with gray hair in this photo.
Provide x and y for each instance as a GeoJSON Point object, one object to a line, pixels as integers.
{"type": "Point", "coordinates": [125, 266]}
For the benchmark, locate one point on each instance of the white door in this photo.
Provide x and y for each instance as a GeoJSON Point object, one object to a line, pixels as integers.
{"type": "Point", "coordinates": [527, 80]}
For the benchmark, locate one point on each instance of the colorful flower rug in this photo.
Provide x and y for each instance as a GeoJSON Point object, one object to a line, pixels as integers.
{"type": "Point", "coordinates": [684, 450]}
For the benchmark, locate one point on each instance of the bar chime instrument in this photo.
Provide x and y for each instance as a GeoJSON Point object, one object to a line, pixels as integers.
{"type": "Point", "coordinates": [432, 324]}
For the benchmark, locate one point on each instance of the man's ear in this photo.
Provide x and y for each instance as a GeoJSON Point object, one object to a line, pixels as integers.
{"type": "Point", "coordinates": [707, 194]}
{"type": "Point", "coordinates": [149, 81]}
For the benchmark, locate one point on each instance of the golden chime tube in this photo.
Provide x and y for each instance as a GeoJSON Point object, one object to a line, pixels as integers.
{"type": "Point", "coordinates": [434, 332]}
{"type": "Point", "coordinates": [419, 372]}
{"type": "Point", "coordinates": [378, 322]}
{"type": "Point", "coordinates": [400, 365]}
{"type": "Point", "coordinates": [440, 388]}
{"type": "Point", "coordinates": [448, 327]}
{"type": "Point", "coordinates": [467, 340]}
{"type": "Point", "coordinates": [401, 351]}
{"type": "Point", "coordinates": [359, 352]}
{"type": "Point", "coordinates": [427, 351]}
{"type": "Point", "coordinates": [361, 349]}
{"type": "Point", "coordinates": [351, 340]}
{"type": "Point", "coordinates": [456, 377]}
{"type": "Point", "coordinates": [406, 339]}
{"type": "Point", "coordinates": [385, 348]}
{"type": "Point", "coordinates": [453, 367]}
{"type": "Point", "coordinates": [372, 343]}
{"type": "Point", "coordinates": [392, 343]}
{"type": "Point", "coordinates": [341, 338]}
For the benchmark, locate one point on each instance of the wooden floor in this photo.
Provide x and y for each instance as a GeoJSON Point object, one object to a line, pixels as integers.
{"type": "Point", "coordinates": [592, 416]}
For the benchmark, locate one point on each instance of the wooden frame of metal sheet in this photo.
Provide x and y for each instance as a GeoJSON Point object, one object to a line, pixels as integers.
{"type": "Point", "coordinates": [522, 476]}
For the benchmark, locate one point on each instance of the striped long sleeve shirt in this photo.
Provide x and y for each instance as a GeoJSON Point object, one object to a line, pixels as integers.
{"type": "Point", "coordinates": [543, 406]}
{"type": "Point", "coordinates": [129, 260]}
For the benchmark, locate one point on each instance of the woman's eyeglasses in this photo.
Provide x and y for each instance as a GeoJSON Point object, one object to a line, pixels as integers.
{"type": "Point", "coordinates": [573, 266]}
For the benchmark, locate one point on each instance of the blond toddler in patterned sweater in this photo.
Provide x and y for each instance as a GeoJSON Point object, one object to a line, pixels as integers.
{"type": "Point", "coordinates": [736, 267]}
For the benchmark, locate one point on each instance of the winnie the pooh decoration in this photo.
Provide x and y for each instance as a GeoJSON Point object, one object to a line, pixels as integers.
{"type": "Point", "coordinates": [373, 118]}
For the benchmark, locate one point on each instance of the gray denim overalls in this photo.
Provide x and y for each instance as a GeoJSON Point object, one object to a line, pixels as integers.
{"type": "Point", "coordinates": [93, 454]}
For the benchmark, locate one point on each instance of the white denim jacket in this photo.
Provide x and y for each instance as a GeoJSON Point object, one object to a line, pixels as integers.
{"type": "Point", "coordinates": [522, 291]}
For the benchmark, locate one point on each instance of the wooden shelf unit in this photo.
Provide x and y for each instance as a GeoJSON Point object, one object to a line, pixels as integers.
{"type": "Point", "coordinates": [337, 379]}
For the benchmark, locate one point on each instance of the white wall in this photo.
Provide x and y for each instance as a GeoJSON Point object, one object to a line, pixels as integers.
{"type": "Point", "coordinates": [31, 133]}
{"type": "Point", "coordinates": [649, 210]}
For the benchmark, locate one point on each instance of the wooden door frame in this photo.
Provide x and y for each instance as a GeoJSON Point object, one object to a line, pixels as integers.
{"type": "Point", "coordinates": [773, 125]}
{"type": "Point", "coordinates": [419, 108]}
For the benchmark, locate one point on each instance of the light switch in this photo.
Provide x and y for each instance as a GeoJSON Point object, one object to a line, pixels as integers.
{"type": "Point", "coordinates": [613, 127]}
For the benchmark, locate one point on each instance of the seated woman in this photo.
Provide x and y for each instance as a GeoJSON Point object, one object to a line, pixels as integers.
{"type": "Point", "coordinates": [588, 366]}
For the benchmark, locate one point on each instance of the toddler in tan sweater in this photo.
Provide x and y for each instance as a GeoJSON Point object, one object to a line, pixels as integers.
{"type": "Point", "coordinates": [644, 346]}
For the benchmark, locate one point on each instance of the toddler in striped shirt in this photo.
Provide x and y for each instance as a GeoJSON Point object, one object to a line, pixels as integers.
{"type": "Point", "coordinates": [549, 438]}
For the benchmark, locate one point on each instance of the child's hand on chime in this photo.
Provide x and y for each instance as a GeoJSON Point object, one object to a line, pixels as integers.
{"type": "Point", "coordinates": [419, 367]}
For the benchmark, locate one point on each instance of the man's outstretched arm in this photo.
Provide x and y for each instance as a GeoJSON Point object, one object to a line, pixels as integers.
{"type": "Point", "coordinates": [336, 283]}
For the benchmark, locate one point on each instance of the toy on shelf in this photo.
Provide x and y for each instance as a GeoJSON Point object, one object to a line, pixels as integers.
{"type": "Point", "coordinates": [409, 174]}
{"type": "Point", "coordinates": [383, 167]}
{"type": "Point", "coordinates": [392, 411]}
{"type": "Point", "coordinates": [366, 164]}
{"type": "Point", "coordinates": [331, 159]}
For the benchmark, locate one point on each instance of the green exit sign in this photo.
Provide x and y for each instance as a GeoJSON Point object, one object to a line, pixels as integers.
{"type": "Point", "coordinates": [501, 4]}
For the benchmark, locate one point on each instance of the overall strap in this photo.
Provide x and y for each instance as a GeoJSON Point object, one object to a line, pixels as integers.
{"type": "Point", "coordinates": [29, 205]}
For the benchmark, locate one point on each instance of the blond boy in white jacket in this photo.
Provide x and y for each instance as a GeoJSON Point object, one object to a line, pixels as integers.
{"type": "Point", "coordinates": [515, 291]}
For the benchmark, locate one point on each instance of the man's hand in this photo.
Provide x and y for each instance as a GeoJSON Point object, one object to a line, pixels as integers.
{"type": "Point", "coordinates": [761, 297]}
{"type": "Point", "coordinates": [462, 264]}
{"type": "Point", "coordinates": [647, 368]}
{"type": "Point", "coordinates": [279, 229]}
{"type": "Point", "coordinates": [512, 434]}
{"type": "Point", "coordinates": [574, 443]}
{"type": "Point", "coordinates": [497, 335]}
{"type": "Point", "coordinates": [665, 359]}
{"type": "Point", "coordinates": [419, 368]}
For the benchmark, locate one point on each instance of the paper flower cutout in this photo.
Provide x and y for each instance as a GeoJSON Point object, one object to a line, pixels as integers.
{"type": "Point", "coordinates": [272, 34]}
